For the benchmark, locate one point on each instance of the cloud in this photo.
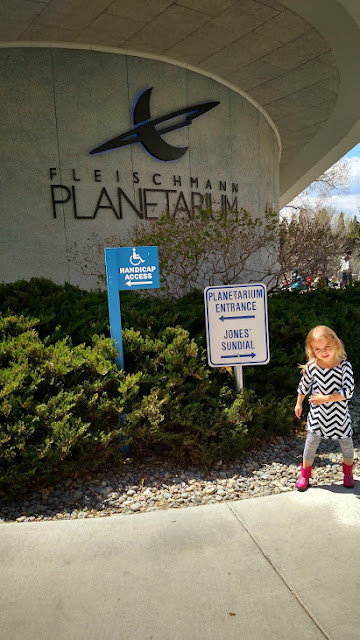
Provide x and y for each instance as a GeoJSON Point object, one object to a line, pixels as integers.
{"type": "Point", "coordinates": [348, 203]}
{"type": "Point", "coordinates": [354, 169]}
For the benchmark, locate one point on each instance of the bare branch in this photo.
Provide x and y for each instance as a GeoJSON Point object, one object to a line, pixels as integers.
{"type": "Point", "coordinates": [335, 180]}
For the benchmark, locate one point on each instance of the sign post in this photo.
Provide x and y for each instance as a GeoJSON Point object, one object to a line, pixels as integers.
{"type": "Point", "coordinates": [239, 378]}
{"type": "Point", "coordinates": [237, 327]}
{"type": "Point", "coordinates": [128, 268]}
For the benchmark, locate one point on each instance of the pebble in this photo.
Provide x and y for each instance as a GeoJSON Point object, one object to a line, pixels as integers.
{"type": "Point", "coordinates": [154, 485]}
{"type": "Point", "coordinates": [135, 507]}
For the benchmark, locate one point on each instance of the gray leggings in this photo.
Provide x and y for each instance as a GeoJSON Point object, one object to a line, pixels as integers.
{"type": "Point", "coordinates": [312, 442]}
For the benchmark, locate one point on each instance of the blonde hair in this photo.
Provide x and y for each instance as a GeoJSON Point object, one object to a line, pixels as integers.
{"type": "Point", "coordinates": [322, 331]}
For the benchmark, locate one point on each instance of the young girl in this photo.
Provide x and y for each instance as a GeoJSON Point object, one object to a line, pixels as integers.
{"type": "Point", "coordinates": [329, 377]}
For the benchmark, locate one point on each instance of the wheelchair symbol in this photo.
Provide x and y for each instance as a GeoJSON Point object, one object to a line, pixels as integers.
{"type": "Point", "coordinates": [135, 259]}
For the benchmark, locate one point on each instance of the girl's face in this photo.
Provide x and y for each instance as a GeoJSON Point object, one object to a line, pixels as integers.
{"type": "Point", "coordinates": [324, 352]}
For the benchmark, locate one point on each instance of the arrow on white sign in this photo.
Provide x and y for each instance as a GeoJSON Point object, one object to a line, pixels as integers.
{"type": "Point", "coordinates": [222, 318]}
{"type": "Point", "coordinates": [138, 284]}
{"type": "Point", "coordinates": [241, 355]}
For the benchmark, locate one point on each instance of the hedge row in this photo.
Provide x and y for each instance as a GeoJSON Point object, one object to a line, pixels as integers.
{"type": "Point", "coordinates": [69, 311]}
{"type": "Point", "coordinates": [62, 407]}
{"type": "Point", "coordinates": [63, 400]}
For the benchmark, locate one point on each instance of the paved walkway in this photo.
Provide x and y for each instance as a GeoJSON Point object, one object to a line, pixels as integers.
{"type": "Point", "coordinates": [283, 567]}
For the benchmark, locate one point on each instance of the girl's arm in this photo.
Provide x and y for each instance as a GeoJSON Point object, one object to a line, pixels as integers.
{"type": "Point", "coordinates": [299, 404]}
{"type": "Point", "coordinates": [319, 398]}
{"type": "Point", "coordinates": [347, 381]}
{"type": "Point", "coordinates": [303, 389]}
{"type": "Point", "coordinates": [345, 393]}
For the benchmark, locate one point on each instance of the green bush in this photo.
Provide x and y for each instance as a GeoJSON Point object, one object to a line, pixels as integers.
{"type": "Point", "coordinates": [61, 396]}
{"type": "Point", "coordinates": [293, 315]}
{"type": "Point", "coordinates": [58, 404]}
{"type": "Point", "coordinates": [190, 411]}
{"type": "Point", "coordinates": [61, 310]}
{"type": "Point", "coordinates": [66, 310]}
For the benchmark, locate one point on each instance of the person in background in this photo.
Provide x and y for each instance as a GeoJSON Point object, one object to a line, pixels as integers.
{"type": "Point", "coordinates": [284, 282]}
{"type": "Point", "coordinates": [351, 267]}
{"type": "Point", "coordinates": [299, 284]}
{"type": "Point", "coordinates": [346, 267]}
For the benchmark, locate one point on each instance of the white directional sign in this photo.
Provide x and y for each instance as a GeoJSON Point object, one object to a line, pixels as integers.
{"type": "Point", "coordinates": [237, 325]}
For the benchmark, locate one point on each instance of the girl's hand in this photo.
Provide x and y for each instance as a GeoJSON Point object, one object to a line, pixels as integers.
{"type": "Point", "coordinates": [298, 409]}
{"type": "Point", "coordinates": [317, 399]}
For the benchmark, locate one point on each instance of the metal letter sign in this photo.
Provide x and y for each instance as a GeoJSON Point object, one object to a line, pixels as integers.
{"type": "Point", "coordinates": [150, 136]}
{"type": "Point", "coordinates": [128, 268]}
{"type": "Point", "coordinates": [237, 325]}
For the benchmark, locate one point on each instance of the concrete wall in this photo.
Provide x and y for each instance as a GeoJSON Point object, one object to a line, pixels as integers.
{"type": "Point", "coordinates": [58, 104]}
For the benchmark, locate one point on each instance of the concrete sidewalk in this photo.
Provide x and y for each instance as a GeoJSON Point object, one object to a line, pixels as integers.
{"type": "Point", "coordinates": [284, 567]}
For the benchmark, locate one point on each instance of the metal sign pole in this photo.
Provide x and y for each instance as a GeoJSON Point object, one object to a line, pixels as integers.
{"type": "Point", "coordinates": [238, 374]}
{"type": "Point", "coordinates": [128, 268]}
{"type": "Point", "coordinates": [114, 304]}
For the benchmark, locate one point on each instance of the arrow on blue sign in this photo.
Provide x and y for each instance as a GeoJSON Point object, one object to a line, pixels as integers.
{"type": "Point", "coordinates": [222, 318]}
{"type": "Point", "coordinates": [245, 355]}
{"type": "Point", "coordinates": [139, 283]}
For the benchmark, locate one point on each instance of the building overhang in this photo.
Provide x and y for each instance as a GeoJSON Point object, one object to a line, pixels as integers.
{"type": "Point", "coordinates": [295, 59]}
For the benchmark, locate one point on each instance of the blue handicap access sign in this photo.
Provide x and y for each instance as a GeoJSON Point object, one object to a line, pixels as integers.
{"type": "Point", "coordinates": [128, 268]}
{"type": "Point", "coordinates": [135, 267]}
{"type": "Point", "coordinates": [237, 324]}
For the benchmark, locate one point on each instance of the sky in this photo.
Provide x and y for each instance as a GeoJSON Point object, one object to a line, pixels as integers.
{"type": "Point", "coordinates": [349, 202]}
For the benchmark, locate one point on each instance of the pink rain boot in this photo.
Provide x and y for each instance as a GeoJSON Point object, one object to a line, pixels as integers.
{"type": "Point", "coordinates": [303, 481]}
{"type": "Point", "coordinates": [348, 476]}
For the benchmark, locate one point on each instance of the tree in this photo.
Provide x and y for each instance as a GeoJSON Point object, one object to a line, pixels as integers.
{"type": "Point", "coordinates": [211, 248]}
{"type": "Point", "coordinates": [312, 242]}
{"type": "Point", "coordinates": [318, 194]}
{"type": "Point", "coordinates": [312, 234]}
{"type": "Point", "coordinates": [196, 251]}
{"type": "Point", "coordinates": [353, 233]}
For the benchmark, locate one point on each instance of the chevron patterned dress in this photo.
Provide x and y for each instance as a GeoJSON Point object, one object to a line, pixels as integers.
{"type": "Point", "coordinates": [330, 420]}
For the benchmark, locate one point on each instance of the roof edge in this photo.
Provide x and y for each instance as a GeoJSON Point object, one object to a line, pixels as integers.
{"type": "Point", "coordinates": [139, 54]}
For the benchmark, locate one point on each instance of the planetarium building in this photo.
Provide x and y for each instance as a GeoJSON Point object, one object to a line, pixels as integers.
{"type": "Point", "coordinates": [114, 112]}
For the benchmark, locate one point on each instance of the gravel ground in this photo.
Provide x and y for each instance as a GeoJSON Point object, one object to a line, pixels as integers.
{"type": "Point", "coordinates": [155, 485]}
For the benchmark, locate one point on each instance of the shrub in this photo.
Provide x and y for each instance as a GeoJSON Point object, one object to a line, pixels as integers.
{"type": "Point", "coordinates": [60, 400]}
{"type": "Point", "coordinates": [65, 310]}
{"type": "Point", "coordinates": [209, 247]}
{"type": "Point", "coordinates": [190, 411]}
{"type": "Point", "coordinates": [61, 310]}
{"type": "Point", "coordinates": [58, 404]}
